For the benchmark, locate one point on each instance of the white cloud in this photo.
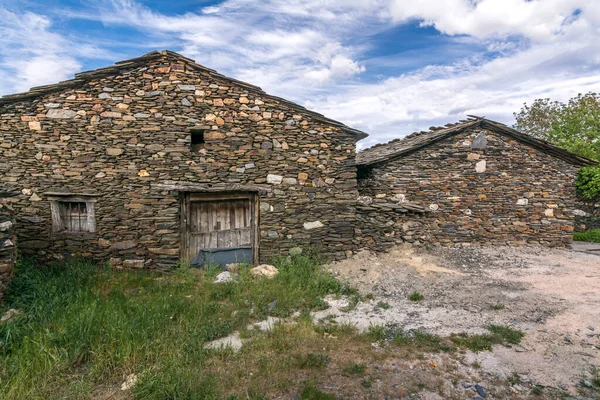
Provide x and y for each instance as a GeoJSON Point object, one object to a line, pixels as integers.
{"type": "Point", "coordinates": [536, 19]}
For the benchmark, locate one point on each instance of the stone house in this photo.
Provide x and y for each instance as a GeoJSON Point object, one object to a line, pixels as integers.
{"type": "Point", "coordinates": [158, 159]}
{"type": "Point", "coordinates": [477, 181]}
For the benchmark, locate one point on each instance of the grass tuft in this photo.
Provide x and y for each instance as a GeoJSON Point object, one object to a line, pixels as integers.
{"type": "Point", "coordinates": [416, 296]}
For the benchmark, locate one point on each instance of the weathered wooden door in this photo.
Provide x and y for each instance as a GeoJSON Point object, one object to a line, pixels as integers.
{"type": "Point", "coordinates": [220, 229]}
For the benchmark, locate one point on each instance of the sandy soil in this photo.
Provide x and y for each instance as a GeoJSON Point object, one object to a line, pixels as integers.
{"type": "Point", "coordinates": [553, 296]}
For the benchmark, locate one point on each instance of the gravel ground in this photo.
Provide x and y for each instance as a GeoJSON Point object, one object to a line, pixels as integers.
{"type": "Point", "coordinates": [553, 296]}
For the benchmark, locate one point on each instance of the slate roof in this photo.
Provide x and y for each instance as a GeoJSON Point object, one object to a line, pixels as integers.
{"type": "Point", "coordinates": [81, 78]}
{"type": "Point", "coordinates": [381, 153]}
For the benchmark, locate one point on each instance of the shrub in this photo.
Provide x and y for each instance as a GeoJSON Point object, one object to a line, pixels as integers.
{"type": "Point", "coordinates": [416, 296]}
{"type": "Point", "coordinates": [588, 182]}
{"type": "Point", "coordinates": [588, 236]}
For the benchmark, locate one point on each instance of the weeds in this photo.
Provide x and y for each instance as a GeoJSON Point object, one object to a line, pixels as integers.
{"type": "Point", "coordinates": [416, 296]}
{"type": "Point", "coordinates": [383, 305]}
{"type": "Point", "coordinates": [312, 393]}
{"type": "Point", "coordinates": [498, 335]}
{"type": "Point", "coordinates": [87, 324]}
{"type": "Point", "coordinates": [497, 307]}
{"type": "Point", "coordinates": [355, 369]}
{"type": "Point", "coordinates": [310, 360]}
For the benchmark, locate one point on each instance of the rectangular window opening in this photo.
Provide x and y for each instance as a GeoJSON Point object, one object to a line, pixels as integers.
{"type": "Point", "coordinates": [197, 136]}
{"type": "Point", "coordinates": [73, 214]}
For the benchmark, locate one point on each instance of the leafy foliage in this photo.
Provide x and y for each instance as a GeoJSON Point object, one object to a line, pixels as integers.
{"type": "Point", "coordinates": [574, 126]}
{"type": "Point", "coordinates": [588, 236]}
{"type": "Point", "coordinates": [588, 182]}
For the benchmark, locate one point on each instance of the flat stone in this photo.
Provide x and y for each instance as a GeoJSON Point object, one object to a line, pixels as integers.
{"type": "Point", "coordinates": [114, 151]}
{"type": "Point", "coordinates": [480, 142]}
{"type": "Point", "coordinates": [133, 264]}
{"type": "Point", "coordinates": [52, 105]}
{"type": "Point", "coordinates": [6, 225]}
{"type": "Point", "coordinates": [313, 225]}
{"type": "Point", "coordinates": [124, 245]}
{"type": "Point", "coordinates": [187, 87]}
{"type": "Point", "coordinates": [274, 179]}
{"type": "Point", "coordinates": [154, 93]}
{"type": "Point", "coordinates": [111, 114]}
{"type": "Point", "coordinates": [233, 342]}
{"type": "Point", "coordinates": [522, 202]}
{"type": "Point", "coordinates": [186, 102]}
{"type": "Point", "coordinates": [60, 114]}
{"type": "Point", "coordinates": [481, 166]}
{"type": "Point", "coordinates": [480, 390]}
{"type": "Point", "coordinates": [34, 244]}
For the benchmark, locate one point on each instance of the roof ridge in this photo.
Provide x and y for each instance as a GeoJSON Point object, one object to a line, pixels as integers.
{"type": "Point", "coordinates": [82, 77]}
{"type": "Point", "coordinates": [417, 140]}
{"type": "Point", "coordinates": [432, 129]}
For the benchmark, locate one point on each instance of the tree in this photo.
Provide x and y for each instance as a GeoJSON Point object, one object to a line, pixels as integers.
{"type": "Point", "coordinates": [574, 126]}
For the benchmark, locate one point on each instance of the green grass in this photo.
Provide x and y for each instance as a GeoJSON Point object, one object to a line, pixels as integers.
{"type": "Point", "coordinates": [383, 305]}
{"type": "Point", "coordinates": [593, 235]}
{"type": "Point", "coordinates": [83, 326]}
{"type": "Point", "coordinates": [355, 369]}
{"type": "Point", "coordinates": [427, 342]}
{"type": "Point", "coordinates": [312, 393]}
{"type": "Point", "coordinates": [497, 307]}
{"type": "Point", "coordinates": [416, 296]}
{"type": "Point", "coordinates": [497, 335]}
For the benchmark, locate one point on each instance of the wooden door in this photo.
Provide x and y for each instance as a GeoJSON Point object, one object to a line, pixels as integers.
{"type": "Point", "coordinates": [220, 227]}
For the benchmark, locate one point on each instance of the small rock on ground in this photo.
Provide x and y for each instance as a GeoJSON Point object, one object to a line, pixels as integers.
{"type": "Point", "coordinates": [232, 341]}
{"type": "Point", "coordinates": [225, 277]}
{"type": "Point", "coordinates": [9, 315]}
{"type": "Point", "coordinates": [266, 270]}
{"type": "Point", "coordinates": [129, 382]}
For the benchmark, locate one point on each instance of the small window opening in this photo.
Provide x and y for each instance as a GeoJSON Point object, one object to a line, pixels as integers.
{"type": "Point", "coordinates": [72, 214]}
{"type": "Point", "coordinates": [197, 142]}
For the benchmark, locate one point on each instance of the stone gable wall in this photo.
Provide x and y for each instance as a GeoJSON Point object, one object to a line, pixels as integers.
{"type": "Point", "coordinates": [121, 136]}
{"type": "Point", "coordinates": [509, 193]}
{"type": "Point", "coordinates": [8, 249]}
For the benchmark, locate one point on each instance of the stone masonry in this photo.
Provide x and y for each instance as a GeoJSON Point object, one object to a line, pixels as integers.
{"type": "Point", "coordinates": [122, 136]}
{"type": "Point", "coordinates": [380, 226]}
{"type": "Point", "coordinates": [8, 249]}
{"type": "Point", "coordinates": [500, 192]}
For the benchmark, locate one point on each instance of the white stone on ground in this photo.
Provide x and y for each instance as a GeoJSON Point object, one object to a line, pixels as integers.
{"type": "Point", "coordinates": [129, 382]}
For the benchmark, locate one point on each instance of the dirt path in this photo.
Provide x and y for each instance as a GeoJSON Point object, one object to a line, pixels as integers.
{"type": "Point", "coordinates": [553, 296]}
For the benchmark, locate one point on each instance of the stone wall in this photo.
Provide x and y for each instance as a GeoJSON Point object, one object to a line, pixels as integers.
{"type": "Point", "coordinates": [121, 137]}
{"type": "Point", "coordinates": [509, 193]}
{"type": "Point", "coordinates": [381, 226]}
{"type": "Point", "coordinates": [8, 253]}
{"type": "Point", "coordinates": [587, 214]}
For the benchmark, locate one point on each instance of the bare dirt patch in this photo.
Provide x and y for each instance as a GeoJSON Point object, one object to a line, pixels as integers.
{"type": "Point", "coordinates": [553, 296]}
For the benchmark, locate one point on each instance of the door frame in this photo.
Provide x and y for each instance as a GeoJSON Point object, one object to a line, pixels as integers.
{"type": "Point", "coordinates": [187, 197]}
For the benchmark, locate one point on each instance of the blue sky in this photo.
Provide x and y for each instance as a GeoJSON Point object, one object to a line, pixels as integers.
{"type": "Point", "coordinates": [388, 67]}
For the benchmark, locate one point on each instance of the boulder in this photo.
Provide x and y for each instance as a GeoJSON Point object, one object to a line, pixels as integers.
{"type": "Point", "coordinates": [266, 270]}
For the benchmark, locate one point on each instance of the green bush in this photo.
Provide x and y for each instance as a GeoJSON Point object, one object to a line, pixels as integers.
{"type": "Point", "coordinates": [592, 235]}
{"type": "Point", "coordinates": [588, 182]}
